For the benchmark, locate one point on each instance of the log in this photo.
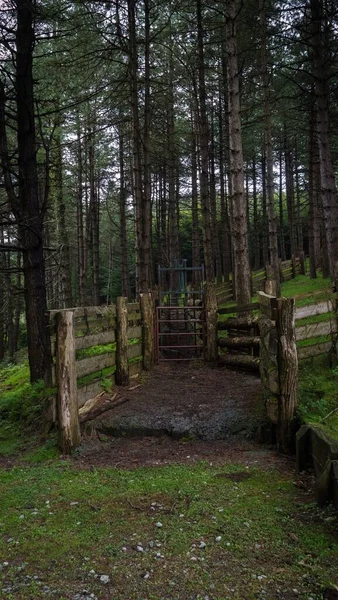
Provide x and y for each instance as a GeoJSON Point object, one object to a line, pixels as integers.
{"type": "Point", "coordinates": [122, 369]}
{"type": "Point", "coordinates": [96, 411]}
{"type": "Point", "coordinates": [93, 364]}
{"type": "Point", "coordinates": [314, 350]}
{"type": "Point", "coordinates": [239, 323]}
{"type": "Point", "coordinates": [68, 420]}
{"type": "Point", "coordinates": [95, 339]}
{"type": "Point", "coordinates": [240, 361]}
{"type": "Point", "coordinates": [239, 342]}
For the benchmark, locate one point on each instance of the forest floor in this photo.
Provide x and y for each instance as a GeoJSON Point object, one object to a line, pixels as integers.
{"type": "Point", "coordinates": [166, 517]}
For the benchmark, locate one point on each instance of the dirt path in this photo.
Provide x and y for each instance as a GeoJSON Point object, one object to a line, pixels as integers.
{"type": "Point", "coordinates": [180, 413]}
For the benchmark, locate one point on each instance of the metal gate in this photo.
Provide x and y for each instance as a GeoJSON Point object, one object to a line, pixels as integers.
{"type": "Point", "coordinates": [180, 316]}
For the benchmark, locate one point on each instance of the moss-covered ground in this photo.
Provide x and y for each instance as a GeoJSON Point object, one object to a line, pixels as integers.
{"type": "Point", "coordinates": [185, 532]}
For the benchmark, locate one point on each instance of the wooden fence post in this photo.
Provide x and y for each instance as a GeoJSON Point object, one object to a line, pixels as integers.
{"type": "Point", "coordinates": [302, 262]}
{"type": "Point", "coordinates": [122, 366]}
{"type": "Point", "coordinates": [68, 417]}
{"type": "Point", "coordinates": [287, 372]}
{"type": "Point", "coordinates": [147, 312]}
{"type": "Point", "coordinates": [211, 323]}
{"type": "Point", "coordinates": [294, 266]}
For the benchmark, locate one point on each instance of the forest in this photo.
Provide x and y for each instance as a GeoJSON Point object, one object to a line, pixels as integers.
{"type": "Point", "coordinates": [134, 134]}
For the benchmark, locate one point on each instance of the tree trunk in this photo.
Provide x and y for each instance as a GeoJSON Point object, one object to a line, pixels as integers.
{"type": "Point", "coordinates": [290, 201]}
{"type": "Point", "coordinates": [321, 74]}
{"type": "Point", "coordinates": [204, 150]}
{"type": "Point", "coordinates": [242, 275]}
{"type": "Point", "coordinates": [125, 283]}
{"type": "Point", "coordinates": [281, 209]}
{"type": "Point", "coordinates": [272, 220]}
{"type": "Point", "coordinates": [27, 210]}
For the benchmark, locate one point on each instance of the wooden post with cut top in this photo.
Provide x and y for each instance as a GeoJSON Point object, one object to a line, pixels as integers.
{"type": "Point", "coordinates": [68, 418]}
{"type": "Point", "coordinates": [287, 360]}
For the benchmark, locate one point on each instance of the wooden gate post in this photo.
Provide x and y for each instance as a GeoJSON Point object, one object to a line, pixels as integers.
{"type": "Point", "coordinates": [147, 312]}
{"type": "Point", "coordinates": [211, 312]}
{"type": "Point", "coordinates": [68, 417]}
{"type": "Point", "coordinates": [287, 372]}
{"type": "Point", "coordinates": [122, 366]}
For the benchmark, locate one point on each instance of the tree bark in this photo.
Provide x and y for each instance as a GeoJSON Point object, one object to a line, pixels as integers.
{"type": "Point", "coordinates": [242, 275]}
{"type": "Point", "coordinates": [204, 150]}
{"type": "Point", "coordinates": [321, 64]}
{"type": "Point", "coordinates": [27, 210]}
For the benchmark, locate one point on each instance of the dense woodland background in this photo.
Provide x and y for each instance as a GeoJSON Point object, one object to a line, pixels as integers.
{"type": "Point", "coordinates": [134, 133]}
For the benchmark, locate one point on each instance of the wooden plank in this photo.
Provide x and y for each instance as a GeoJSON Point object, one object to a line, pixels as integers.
{"type": "Point", "coordinates": [315, 329]}
{"type": "Point", "coordinates": [90, 390]}
{"type": "Point", "coordinates": [86, 366]}
{"type": "Point", "coordinates": [242, 361]}
{"type": "Point", "coordinates": [134, 351]}
{"type": "Point", "coordinates": [87, 311]}
{"type": "Point", "coordinates": [314, 350]}
{"type": "Point", "coordinates": [236, 309]}
{"type": "Point", "coordinates": [286, 263]}
{"type": "Point", "coordinates": [133, 307]}
{"type": "Point", "coordinates": [95, 323]}
{"type": "Point", "coordinates": [260, 273]}
{"type": "Point", "coordinates": [95, 339]}
{"type": "Point", "coordinates": [135, 368]}
{"type": "Point", "coordinates": [312, 310]}
{"type": "Point", "coordinates": [134, 332]}
{"type": "Point", "coordinates": [134, 317]}
{"type": "Point", "coordinates": [267, 300]}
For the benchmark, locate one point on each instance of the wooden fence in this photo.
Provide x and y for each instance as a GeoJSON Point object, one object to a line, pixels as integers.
{"type": "Point", "coordinates": [288, 269]}
{"type": "Point", "coordinates": [94, 331]}
{"type": "Point", "coordinates": [316, 327]}
{"type": "Point", "coordinates": [93, 344]}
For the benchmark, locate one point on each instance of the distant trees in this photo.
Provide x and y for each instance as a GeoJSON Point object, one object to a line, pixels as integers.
{"type": "Point", "coordinates": [136, 133]}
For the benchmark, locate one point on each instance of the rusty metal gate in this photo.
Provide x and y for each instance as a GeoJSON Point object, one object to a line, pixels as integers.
{"type": "Point", "coordinates": [180, 316]}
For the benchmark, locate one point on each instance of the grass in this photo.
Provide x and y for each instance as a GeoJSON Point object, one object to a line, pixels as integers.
{"type": "Point", "coordinates": [316, 289]}
{"type": "Point", "coordinates": [318, 385]}
{"type": "Point", "coordinates": [259, 538]}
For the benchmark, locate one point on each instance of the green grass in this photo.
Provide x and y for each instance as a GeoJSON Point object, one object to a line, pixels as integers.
{"type": "Point", "coordinates": [319, 339]}
{"type": "Point", "coordinates": [318, 396]}
{"type": "Point", "coordinates": [64, 526]}
{"type": "Point", "coordinates": [315, 319]}
{"type": "Point", "coordinates": [302, 285]}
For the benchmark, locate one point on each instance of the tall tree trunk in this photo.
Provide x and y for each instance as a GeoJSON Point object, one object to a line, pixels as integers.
{"type": "Point", "coordinates": [213, 205]}
{"type": "Point", "coordinates": [172, 206]}
{"type": "Point", "coordinates": [196, 260]}
{"type": "Point", "coordinates": [81, 253]}
{"type": "Point", "coordinates": [314, 179]}
{"type": "Point", "coordinates": [320, 50]}
{"type": "Point", "coordinates": [204, 150]}
{"type": "Point", "coordinates": [290, 201]}
{"type": "Point", "coordinates": [281, 208]}
{"type": "Point", "coordinates": [146, 197]}
{"type": "Point", "coordinates": [242, 276]}
{"type": "Point", "coordinates": [27, 210]}
{"type": "Point", "coordinates": [299, 227]}
{"type": "Point", "coordinates": [94, 222]}
{"type": "Point", "coordinates": [225, 233]}
{"type": "Point", "coordinates": [272, 220]}
{"type": "Point", "coordinates": [265, 246]}
{"type": "Point", "coordinates": [65, 273]}
{"type": "Point", "coordinates": [125, 283]}
{"type": "Point", "coordinates": [257, 250]}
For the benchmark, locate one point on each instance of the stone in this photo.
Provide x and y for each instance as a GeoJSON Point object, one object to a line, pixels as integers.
{"type": "Point", "coordinates": [104, 579]}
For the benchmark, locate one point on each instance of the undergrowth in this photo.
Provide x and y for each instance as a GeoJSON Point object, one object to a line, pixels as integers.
{"type": "Point", "coordinates": [318, 396]}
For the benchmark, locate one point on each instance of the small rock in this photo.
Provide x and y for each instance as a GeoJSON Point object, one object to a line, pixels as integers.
{"type": "Point", "coordinates": [139, 548]}
{"type": "Point", "coordinates": [218, 538]}
{"type": "Point", "coordinates": [146, 575]}
{"type": "Point", "coordinates": [202, 545]}
{"type": "Point", "coordinates": [22, 517]}
{"type": "Point", "coordinates": [104, 579]}
{"type": "Point", "coordinates": [73, 503]}
{"type": "Point", "coordinates": [158, 524]}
